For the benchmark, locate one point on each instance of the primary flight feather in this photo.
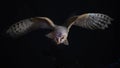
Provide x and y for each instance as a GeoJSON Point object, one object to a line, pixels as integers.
{"type": "Point", "coordinates": [60, 33]}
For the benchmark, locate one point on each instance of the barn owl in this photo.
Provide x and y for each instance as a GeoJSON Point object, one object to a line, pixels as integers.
{"type": "Point", "coordinates": [59, 33]}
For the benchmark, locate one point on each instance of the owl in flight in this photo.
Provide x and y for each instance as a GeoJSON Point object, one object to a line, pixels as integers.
{"type": "Point", "coordinates": [59, 33]}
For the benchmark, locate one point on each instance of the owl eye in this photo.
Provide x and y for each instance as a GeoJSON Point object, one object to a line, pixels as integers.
{"type": "Point", "coordinates": [62, 37]}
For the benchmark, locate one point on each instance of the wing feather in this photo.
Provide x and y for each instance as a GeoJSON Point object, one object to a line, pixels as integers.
{"type": "Point", "coordinates": [90, 20]}
{"type": "Point", "coordinates": [24, 26]}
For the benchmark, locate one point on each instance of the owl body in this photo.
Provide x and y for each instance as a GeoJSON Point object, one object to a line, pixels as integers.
{"type": "Point", "coordinates": [60, 30]}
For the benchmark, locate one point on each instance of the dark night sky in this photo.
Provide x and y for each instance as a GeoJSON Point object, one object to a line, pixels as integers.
{"type": "Point", "coordinates": [87, 49]}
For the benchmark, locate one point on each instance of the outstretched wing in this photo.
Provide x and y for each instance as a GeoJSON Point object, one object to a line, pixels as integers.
{"type": "Point", "coordinates": [90, 20]}
{"type": "Point", "coordinates": [27, 25]}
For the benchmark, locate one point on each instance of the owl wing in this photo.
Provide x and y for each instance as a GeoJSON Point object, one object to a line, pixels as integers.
{"type": "Point", "coordinates": [90, 20]}
{"type": "Point", "coordinates": [24, 26]}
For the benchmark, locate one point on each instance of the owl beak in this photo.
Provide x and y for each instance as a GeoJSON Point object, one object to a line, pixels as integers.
{"type": "Point", "coordinates": [58, 41]}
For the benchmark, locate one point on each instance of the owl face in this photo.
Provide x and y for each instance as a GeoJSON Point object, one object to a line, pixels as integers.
{"type": "Point", "coordinates": [60, 37]}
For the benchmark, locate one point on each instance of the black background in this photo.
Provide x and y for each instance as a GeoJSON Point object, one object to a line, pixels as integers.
{"type": "Point", "coordinates": [87, 49]}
